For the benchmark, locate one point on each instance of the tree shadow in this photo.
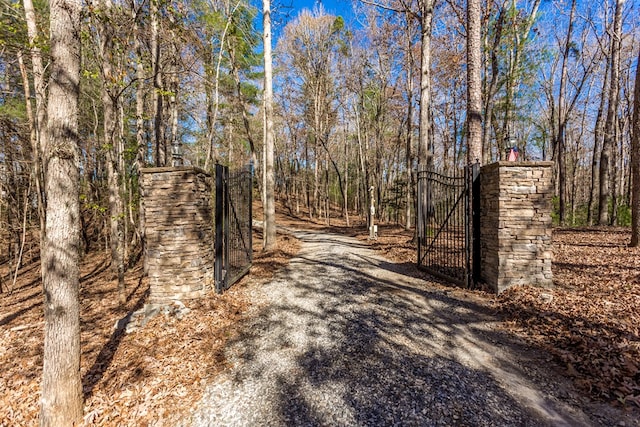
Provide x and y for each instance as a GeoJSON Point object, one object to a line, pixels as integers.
{"type": "Point", "coordinates": [105, 357]}
{"type": "Point", "coordinates": [384, 350]}
{"type": "Point", "coordinates": [13, 316]}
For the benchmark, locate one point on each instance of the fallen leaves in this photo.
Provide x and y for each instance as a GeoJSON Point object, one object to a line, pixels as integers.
{"type": "Point", "coordinates": [590, 322]}
{"type": "Point", "coordinates": [151, 376]}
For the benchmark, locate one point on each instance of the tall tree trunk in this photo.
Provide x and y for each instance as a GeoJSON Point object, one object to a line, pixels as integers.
{"type": "Point", "coordinates": [615, 172]}
{"type": "Point", "coordinates": [609, 126]}
{"type": "Point", "coordinates": [215, 99]}
{"type": "Point", "coordinates": [173, 112]}
{"type": "Point", "coordinates": [491, 88]}
{"type": "Point", "coordinates": [426, 18]}
{"type": "Point", "coordinates": [346, 178]}
{"type": "Point", "coordinates": [474, 82]}
{"type": "Point", "coordinates": [409, 136]}
{"type": "Point", "coordinates": [594, 190]}
{"type": "Point", "coordinates": [160, 155]}
{"type": "Point", "coordinates": [316, 161]}
{"type": "Point", "coordinates": [141, 143]}
{"type": "Point", "coordinates": [61, 381]}
{"type": "Point", "coordinates": [141, 153]}
{"type": "Point", "coordinates": [270, 206]}
{"type": "Point", "coordinates": [364, 168]}
{"type": "Point", "coordinates": [635, 162]}
{"type": "Point", "coordinates": [114, 151]}
{"type": "Point", "coordinates": [39, 142]}
{"type": "Point", "coordinates": [562, 120]}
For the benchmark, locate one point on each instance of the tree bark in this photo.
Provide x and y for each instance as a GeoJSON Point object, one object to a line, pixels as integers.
{"type": "Point", "coordinates": [141, 152]}
{"type": "Point", "coordinates": [114, 152]}
{"type": "Point", "coordinates": [408, 149]}
{"type": "Point", "coordinates": [160, 155]}
{"type": "Point", "coordinates": [426, 18]}
{"type": "Point", "coordinates": [609, 126]}
{"type": "Point", "coordinates": [270, 207]}
{"type": "Point", "coordinates": [474, 82]}
{"type": "Point", "coordinates": [39, 141]}
{"type": "Point", "coordinates": [597, 138]}
{"type": "Point", "coordinates": [635, 163]}
{"type": "Point", "coordinates": [491, 88]}
{"type": "Point", "coordinates": [61, 403]}
{"type": "Point", "coordinates": [562, 120]}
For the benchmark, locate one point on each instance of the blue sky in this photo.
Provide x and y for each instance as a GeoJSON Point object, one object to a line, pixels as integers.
{"type": "Point", "coordinates": [286, 10]}
{"type": "Point", "coordinates": [334, 7]}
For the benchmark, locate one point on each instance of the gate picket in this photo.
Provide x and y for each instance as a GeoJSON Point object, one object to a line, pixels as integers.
{"type": "Point", "coordinates": [445, 224]}
{"type": "Point", "coordinates": [233, 240]}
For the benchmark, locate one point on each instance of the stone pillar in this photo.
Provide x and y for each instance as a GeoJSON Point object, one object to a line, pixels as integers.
{"type": "Point", "coordinates": [515, 223]}
{"type": "Point", "coordinates": [179, 232]}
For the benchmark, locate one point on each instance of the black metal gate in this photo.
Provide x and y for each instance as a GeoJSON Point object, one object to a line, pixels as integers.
{"type": "Point", "coordinates": [447, 210]}
{"type": "Point", "coordinates": [233, 243]}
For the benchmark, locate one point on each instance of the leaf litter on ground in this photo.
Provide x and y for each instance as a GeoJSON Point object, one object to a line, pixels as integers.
{"type": "Point", "coordinates": [589, 322]}
{"type": "Point", "coordinates": [151, 376]}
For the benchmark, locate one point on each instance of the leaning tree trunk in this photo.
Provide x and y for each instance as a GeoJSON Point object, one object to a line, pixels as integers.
{"type": "Point", "coordinates": [61, 403]}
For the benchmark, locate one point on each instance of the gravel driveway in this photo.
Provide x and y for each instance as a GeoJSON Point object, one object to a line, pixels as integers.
{"type": "Point", "coordinates": [342, 338]}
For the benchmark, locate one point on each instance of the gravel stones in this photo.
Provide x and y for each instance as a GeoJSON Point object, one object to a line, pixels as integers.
{"type": "Point", "coordinates": [340, 338]}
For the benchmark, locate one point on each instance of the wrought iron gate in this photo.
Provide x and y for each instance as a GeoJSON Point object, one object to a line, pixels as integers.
{"type": "Point", "coordinates": [233, 217]}
{"type": "Point", "coordinates": [447, 210]}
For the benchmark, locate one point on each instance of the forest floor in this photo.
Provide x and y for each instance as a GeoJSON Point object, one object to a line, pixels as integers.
{"type": "Point", "coordinates": [129, 379]}
{"type": "Point", "coordinates": [588, 325]}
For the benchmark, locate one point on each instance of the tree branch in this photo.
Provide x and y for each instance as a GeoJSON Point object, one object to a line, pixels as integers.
{"type": "Point", "coordinates": [382, 6]}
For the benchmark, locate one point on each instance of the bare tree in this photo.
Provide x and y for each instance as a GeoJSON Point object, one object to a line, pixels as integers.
{"type": "Point", "coordinates": [562, 116]}
{"type": "Point", "coordinates": [474, 81]}
{"type": "Point", "coordinates": [160, 143]}
{"type": "Point", "coordinates": [597, 145]}
{"type": "Point", "coordinates": [426, 18]}
{"type": "Point", "coordinates": [38, 140]}
{"type": "Point", "coordinates": [635, 162]}
{"type": "Point", "coordinates": [408, 156]}
{"type": "Point", "coordinates": [61, 381]}
{"type": "Point", "coordinates": [269, 208]}
{"type": "Point", "coordinates": [113, 143]}
{"type": "Point", "coordinates": [610, 123]}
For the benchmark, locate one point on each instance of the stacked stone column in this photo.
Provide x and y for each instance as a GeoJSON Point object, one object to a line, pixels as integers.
{"type": "Point", "coordinates": [515, 221]}
{"type": "Point", "coordinates": [179, 232]}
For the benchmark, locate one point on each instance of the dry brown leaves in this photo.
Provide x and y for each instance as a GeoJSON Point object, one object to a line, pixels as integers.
{"type": "Point", "coordinates": [149, 377]}
{"type": "Point", "coordinates": [589, 323]}
{"type": "Point", "coordinates": [395, 243]}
